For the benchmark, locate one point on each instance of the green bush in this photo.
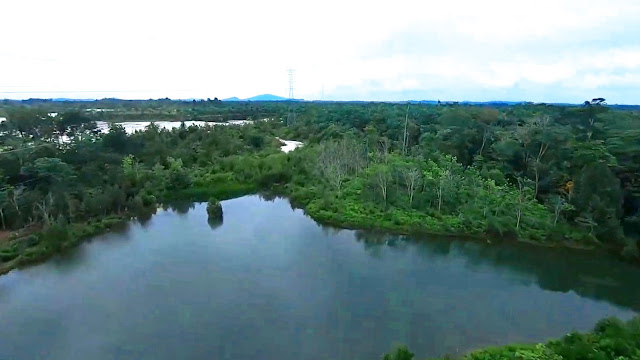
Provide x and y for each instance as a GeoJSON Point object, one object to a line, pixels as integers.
{"type": "Point", "coordinates": [400, 353]}
{"type": "Point", "coordinates": [611, 339]}
{"type": "Point", "coordinates": [7, 255]}
{"type": "Point", "coordinates": [214, 208]}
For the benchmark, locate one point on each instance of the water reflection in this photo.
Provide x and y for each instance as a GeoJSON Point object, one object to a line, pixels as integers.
{"type": "Point", "coordinates": [70, 259]}
{"type": "Point", "coordinates": [273, 284]}
{"type": "Point", "coordinates": [369, 237]}
{"type": "Point", "coordinates": [330, 230]}
{"type": "Point", "coordinates": [214, 222]}
{"type": "Point", "coordinates": [593, 275]}
{"type": "Point", "coordinates": [588, 274]}
{"type": "Point", "coordinates": [144, 217]}
{"type": "Point", "coordinates": [434, 247]}
{"type": "Point", "coordinates": [268, 197]}
{"type": "Point", "coordinates": [180, 207]}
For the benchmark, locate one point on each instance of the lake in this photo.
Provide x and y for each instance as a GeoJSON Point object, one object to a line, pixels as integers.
{"type": "Point", "coordinates": [131, 127]}
{"type": "Point", "coordinates": [270, 283]}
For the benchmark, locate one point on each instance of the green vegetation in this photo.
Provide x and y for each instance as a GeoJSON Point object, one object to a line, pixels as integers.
{"type": "Point", "coordinates": [611, 339]}
{"type": "Point", "coordinates": [55, 193]}
{"type": "Point", "coordinates": [552, 175]}
{"type": "Point", "coordinates": [214, 209]}
{"type": "Point", "coordinates": [544, 174]}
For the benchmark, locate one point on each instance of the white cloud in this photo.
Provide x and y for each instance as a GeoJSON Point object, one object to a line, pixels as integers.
{"type": "Point", "coordinates": [469, 49]}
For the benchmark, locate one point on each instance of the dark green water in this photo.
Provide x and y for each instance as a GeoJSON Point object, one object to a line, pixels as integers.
{"type": "Point", "coordinates": [269, 283]}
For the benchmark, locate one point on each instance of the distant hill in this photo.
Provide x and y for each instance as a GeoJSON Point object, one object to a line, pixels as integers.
{"type": "Point", "coordinates": [263, 97]}
{"type": "Point", "coordinates": [266, 97]}
{"type": "Point", "coordinates": [270, 97]}
{"type": "Point", "coordinates": [69, 99]}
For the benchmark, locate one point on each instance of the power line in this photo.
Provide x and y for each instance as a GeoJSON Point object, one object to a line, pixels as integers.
{"type": "Point", "coordinates": [23, 148]}
{"type": "Point", "coordinates": [24, 182]}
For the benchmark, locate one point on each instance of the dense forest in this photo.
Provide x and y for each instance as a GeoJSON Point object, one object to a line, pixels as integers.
{"type": "Point", "coordinates": [551, 175]}
{"type": "Point", "coordinates": [533, 172]}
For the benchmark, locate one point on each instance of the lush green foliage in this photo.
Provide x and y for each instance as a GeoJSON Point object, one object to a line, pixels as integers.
{"type": "Point", "coordinates": [400, 353]}
{"type": "Point", "coordinates": [545, 174]}
{"type": "Point", "coordinates": [409, 193]}
{"type": "Point", "coordinates": [54, 192]}
{"type": "Point", "coordinates": [214, 209]}
{"type": "Point", "coordinates": [611, 339]}
{"type": "Point", "coordinates": [540, 173]}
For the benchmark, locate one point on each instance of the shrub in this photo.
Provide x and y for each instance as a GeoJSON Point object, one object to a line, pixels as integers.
{"type": "Point", "coordinates": [214, 209]}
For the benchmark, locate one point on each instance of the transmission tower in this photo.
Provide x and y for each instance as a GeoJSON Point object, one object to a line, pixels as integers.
{"type": "Point", "coordinates": [291, 118]}
{"type": "Point", "coordinates": [291, 73]}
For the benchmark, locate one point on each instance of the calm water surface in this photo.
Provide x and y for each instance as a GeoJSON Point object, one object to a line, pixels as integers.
{"type": "Point", "coordinates": [270, 283]}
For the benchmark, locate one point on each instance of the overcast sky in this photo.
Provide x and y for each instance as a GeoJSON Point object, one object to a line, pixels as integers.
{"type": "Point", "coordinates": [546, 51]}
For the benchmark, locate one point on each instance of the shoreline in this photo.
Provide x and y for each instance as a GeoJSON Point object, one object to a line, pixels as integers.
{"type": "Point", "coordinates": [80, 232]}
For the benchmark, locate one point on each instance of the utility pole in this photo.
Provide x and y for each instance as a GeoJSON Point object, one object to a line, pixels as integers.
{"type": "Point", "coordinates": [405, 135]}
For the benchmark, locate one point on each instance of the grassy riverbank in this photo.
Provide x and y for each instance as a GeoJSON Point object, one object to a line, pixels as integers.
{"type": "Point", "coordinates": [32, 246]}
{"type": "Point", "coordinates": [611, 339]}
{"type": "Point", "coordinates": [26, 248]}
{"type": "Point", "coordinates": [347, 209]}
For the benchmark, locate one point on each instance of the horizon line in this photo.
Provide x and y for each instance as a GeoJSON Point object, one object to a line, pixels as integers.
{"type": "Point", "coordinates": [236, 99]}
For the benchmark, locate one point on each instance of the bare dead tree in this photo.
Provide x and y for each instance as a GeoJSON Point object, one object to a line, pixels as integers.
{"type": "Point", "coordinates": [383, 149]}
{"type": "Point", "coordinates": [522, 198]}
{"type": "Point", "coordinates": [383, 178]}
{"type": "Point", "coordinates": [405, 135]}
{"type": "Point", "coordinates": [335, 161]}
{"type": "Point", "coordinates": [485, 136]}
{"type": "Point", "coordinates": [412, 179]}
{"type": "Point", "coordinates": [44, 206]}
{"type": "Point", "coordinates": [16, 192]}
{"type": "Point", "coordinates": [541, 123]}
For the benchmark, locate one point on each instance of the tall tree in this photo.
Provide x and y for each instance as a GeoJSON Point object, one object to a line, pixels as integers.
{"type": "Point", "coordinates": [598, 197]}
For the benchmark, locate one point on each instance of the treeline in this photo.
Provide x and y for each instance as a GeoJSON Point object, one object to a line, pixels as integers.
{"type": "Point", "coordinates": [611, 339]}
{"type": "Point", "coordinates": [535, 172]}
{"type": "Point", "coordinates": [112, 110]}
